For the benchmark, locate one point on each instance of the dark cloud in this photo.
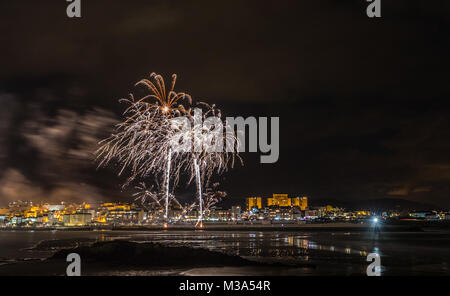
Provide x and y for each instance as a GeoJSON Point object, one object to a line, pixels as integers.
{"type": "Point", "coordinates": [363, 103]}
{"type": "Point", "coordinates": [234, 50]}
{"type": "Point", "coordinates": [50, 157]}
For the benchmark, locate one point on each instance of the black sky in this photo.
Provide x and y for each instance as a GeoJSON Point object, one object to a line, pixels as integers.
{"type": "Point", "coordinates": [363, 103]}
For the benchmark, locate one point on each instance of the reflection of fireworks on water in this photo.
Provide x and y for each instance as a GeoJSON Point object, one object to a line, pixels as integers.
{"type": "Point", "coordinates": [143, 144]}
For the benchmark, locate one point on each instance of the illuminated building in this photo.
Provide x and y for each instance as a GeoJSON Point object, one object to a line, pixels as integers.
{"type": "Point", "coordinates": [4, 213]}
{"type": "Point", "coordinates": [279, 213]}
{"type": "Point", "coordinates": [20, 205]}
{"type": "Point", "coordinates": [53, 217]}
{"type": "Point", "coordinates": [77, 219]}
{"type": "Point", "coordinates": [297, 213]}
{"type": "Point", "coordinates": [254, 202]}
{"type": "Point", "coordinates": [118, 213]}
{"type": "Point", "coordinates": [115, 206]}
{"type": "Point", "coordinates": [125, 215]}
{"type": "Point", "coordinates": [41, 219]}
{"type": "Point", "coordinates": [301, 202]}
{"type": "Point", "coordinates": [220, 215]}
{"type": "Point", "coordinates": [33, 212]}
{"type": "Point", "coordinates": [100, 219]}
{"type": "Point", "coordinates": [312, 214]}
{"type": "Point", "coordinates": [174, 212]}
{"type": "Point", "coordinates": [17, 220]}
{"type": "Point", "coordinates": [362, 213]}
{"type": "Point", "coordinates": [54, 207]}
{"type": "Point", "coordinates": [281, 200]}
{"type": "Point", "coordinates": [191, 216]}
{"type": "Point", "coordinates": [236, 213]}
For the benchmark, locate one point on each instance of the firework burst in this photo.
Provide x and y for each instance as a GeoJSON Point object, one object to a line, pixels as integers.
{"type": "Point", "coordinates": [167, 103]}
{"type": "Point", "coordinates": [142, 140]}
{"type": "Point", "coordinates": [143, 144]}
{"type": "Point", "coordinates": [201, 160]}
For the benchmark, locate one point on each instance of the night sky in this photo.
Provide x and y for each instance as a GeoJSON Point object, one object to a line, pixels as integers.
{"type": "Point", "coordinates": [363, 103]}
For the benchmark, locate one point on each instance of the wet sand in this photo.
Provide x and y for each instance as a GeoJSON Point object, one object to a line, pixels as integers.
{"type": "Point", "coordinates": [342, 251]}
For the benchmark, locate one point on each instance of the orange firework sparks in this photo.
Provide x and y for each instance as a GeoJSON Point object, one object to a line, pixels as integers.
{"type": "Point", "coordinates": [166, 102]}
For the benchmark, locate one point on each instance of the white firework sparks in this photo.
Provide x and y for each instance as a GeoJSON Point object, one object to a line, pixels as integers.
{"type": "Point", "coordinates": [143, 144]}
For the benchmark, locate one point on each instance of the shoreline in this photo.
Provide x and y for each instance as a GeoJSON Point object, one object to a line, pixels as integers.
{"type": "Point", "coordinates": [125, 258]}
{"type": "Point", "coordinates": [313, 253]}
{"type": "Point", "coordinates": [238, 227]}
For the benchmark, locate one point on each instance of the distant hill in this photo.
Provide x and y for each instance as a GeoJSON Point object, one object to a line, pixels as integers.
{"type": "Point", "coordinates": [378, 204]}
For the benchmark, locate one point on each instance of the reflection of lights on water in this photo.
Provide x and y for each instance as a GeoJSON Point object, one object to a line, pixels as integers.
{"type": "Point", "coordinates": [305, 244]}
{"type": "Point", "coordinates": [290, 241]}
{"type": "Point", "coordinates": [376, 251]}
{"type": "Point", "coordinates": [312, 245]}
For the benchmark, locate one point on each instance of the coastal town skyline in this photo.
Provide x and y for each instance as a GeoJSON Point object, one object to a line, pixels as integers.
{"type": "Point", "coordinates": [279, 208]}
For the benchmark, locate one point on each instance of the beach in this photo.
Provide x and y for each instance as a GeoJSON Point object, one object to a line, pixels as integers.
{"type": "Point", "coordinates": [309, 250]}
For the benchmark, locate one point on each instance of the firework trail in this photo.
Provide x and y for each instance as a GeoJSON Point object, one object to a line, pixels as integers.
{"type": "Point", "coordinates": [199, 188]}
{"type": "Point", "coordinates": [143, 144]}
{"type": "Point", "coordinates": [201, 162]}
{"type": "Point", "coordinates": [151, 199]}
{"type": "Point", "coordinates": [212, 196]}
{"type": "Point", "coordinates": [142, 139]}
{"type": "Point", "coordinates": [147, 195]}
{"type": "Point", "coordinates": [165, 104]}
{"type": "Point", "coordinates": [169, 158]}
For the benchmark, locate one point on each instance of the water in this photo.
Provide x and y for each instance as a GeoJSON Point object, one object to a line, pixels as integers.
{"type": "Point", "coordinates": [317, 253]}
{"type": "Point", "coordinates": [14, 245]}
